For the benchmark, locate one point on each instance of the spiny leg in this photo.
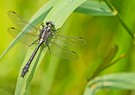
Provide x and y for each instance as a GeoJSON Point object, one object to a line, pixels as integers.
{"type": "Point", "coordinates": [33, 43]}
{"type": "Point", "coordinates": [47, 44]}
{"type": "Point", "coordinates": [42, 24]}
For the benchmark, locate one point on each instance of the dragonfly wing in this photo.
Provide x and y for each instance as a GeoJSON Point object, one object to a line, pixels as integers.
{"type": "Point", "coordinates": [62, 46]}
{"type": "Point", "coordinates": [69, 41]}
{"type": "Point", "coordinates": [26, 38]}
{"type": "Point", "coordinates": [60, 51]}
{"type": "Point", "coordinates": [21, 23]}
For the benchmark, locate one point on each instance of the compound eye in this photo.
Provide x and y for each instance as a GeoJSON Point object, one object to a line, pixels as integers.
{"type": "Point", "coordinates": [50, 23]}
{"type": "Point", "coordinates": [47, 23]}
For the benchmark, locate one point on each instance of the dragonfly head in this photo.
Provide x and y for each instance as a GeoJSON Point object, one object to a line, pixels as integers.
{"type": "Point", "coordinates": [49, 23]}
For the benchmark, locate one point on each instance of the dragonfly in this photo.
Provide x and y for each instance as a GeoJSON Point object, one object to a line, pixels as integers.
{"type": "Point", "coordinates": [58, 45]}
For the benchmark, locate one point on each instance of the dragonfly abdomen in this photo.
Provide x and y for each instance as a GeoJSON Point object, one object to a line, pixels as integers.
{"type": "Point", "coordinates": [26, 68]}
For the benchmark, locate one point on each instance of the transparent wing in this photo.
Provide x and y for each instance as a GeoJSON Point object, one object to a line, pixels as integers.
{"type": "Point", "coordinates": [60, 51]}
{"type": "Point", "coordinates": [21, 23]}
{"type": "Point", "coordinates": [63, 46]}
{"type": "Point", "coordinates": [26, 38]}
{"type": "Point", "coordinates": [69, 41]}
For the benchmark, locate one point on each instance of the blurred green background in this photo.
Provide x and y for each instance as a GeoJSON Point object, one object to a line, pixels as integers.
{"type": "Point", "coordinates": [101, 33]}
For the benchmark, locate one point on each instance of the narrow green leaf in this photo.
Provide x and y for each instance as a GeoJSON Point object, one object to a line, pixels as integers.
{"type": "Point", "coordinates": [96, 8]}
{"type": "Point", "coordinates": [62, 10]}
{"type": "Point", "coordinates": [123, 81]}
{"type": "Point", "coordinates": [111, 63]}
{"type": "Point", "coordinates": [107, 60]}
{"type": "Point", "coordinates": [110, 54]}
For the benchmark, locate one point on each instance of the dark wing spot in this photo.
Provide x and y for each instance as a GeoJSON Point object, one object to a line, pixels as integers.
{"type": "Point", "coordinates": [74, 52]}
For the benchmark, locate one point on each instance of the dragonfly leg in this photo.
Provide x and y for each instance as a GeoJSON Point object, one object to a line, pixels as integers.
{"type": "Point", "coordinates": [42, 24]}
{"type": "Point", "coordinates": [47, 44]}
{"type": "Point", "coordinates": [58, 29]}
{"type": "Point", "coordinates": [49, 49]}
{"type": "Point", "coordinates": [33, 43]}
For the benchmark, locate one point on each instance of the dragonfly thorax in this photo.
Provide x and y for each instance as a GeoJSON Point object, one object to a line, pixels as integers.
{"type": "Point", "coordinates": [45, 32]}
{"type": "Point", "coordinates": [49, 26]}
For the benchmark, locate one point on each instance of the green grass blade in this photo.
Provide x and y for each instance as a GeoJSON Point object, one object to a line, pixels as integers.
{"type": "Point", "coordinates": [107, 59]}
{"type": "Point", "coordinates": [111, 63]}
{"type": "Point", "coordinates": [96, 8]}
{"type": "Point", "coordinates": [110, 54]}
{"type": "Point", "coordinates": [123, 81]}
{"type": "Point", "coordinates": [65, 8]}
